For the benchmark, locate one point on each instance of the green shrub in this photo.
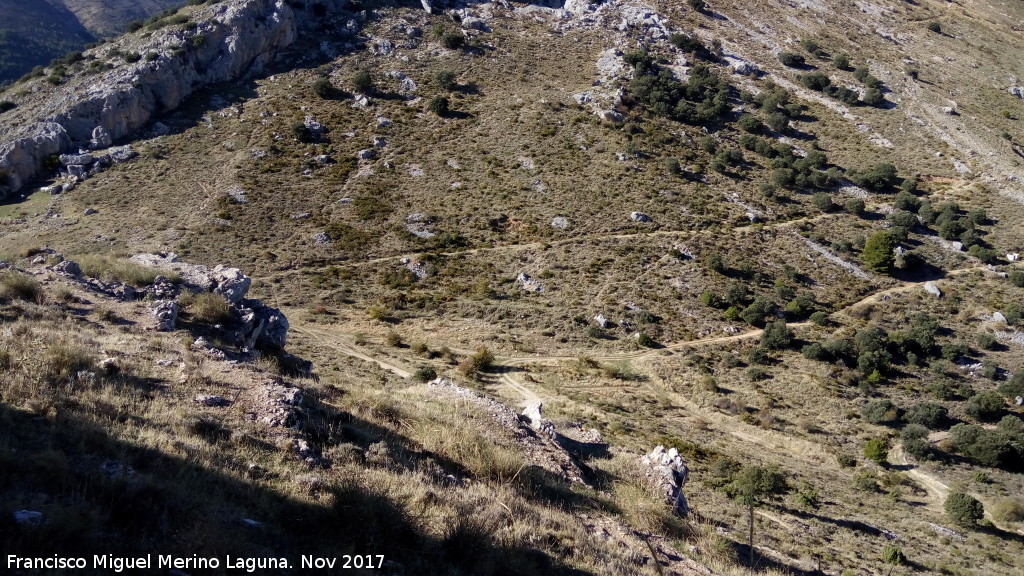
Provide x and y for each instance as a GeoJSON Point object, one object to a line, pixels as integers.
{"type": "Point", "coordinates": [362, 82]}
{"type": "Point", "coordinates": [986, 406]}
{"type": "Point", "coordinates": [873, 97]}
{"type": "Point", "coordinates": [757, 311]}
{"type": "Point", "coordinates": [791, 60]}
{"type": "Point", "coordinates": [891, 554]}
{"type": "Point", "coordinates": [846, 460]}
{"type": "Point", "coordinates": [1014, 386]}
{"type": "Point", "coordinates": [818, 81]}
{"type": "Point", "coordinates": [445, 80]}
{"type": "Point", "coordinates": [14, 286]}
{"type": "Point", "coordinates": [877, 449]}
{"type": "Point", "coordinates": [820, 318]}
{"type": "Point", "coordinates": [425, 374]}
{"type": "Point", "coordinates": [323, 88]}
{"type": "Point", "coordinates": [814, 351]}
{"type": "Point", "coordinates": [823, 201]}
{"type": "Point", "coordinates": [1017, 278]}
{"type": "Point", "coordinates": [438, 105]}
{"type": "Point", "coordinates": [934, 27]}
{"type": "Point", "coordinates": [986, 447]}
{"type": "Point", "coordinates": [881, 411]}
{"type": "Point", "coordinates": [477, 362]}
{"type": "Point", "coordinates": [758, 355]}
{"type": "Point", "coordinates": [841, 61]}
{"type": "Point", "coordinates": [964, 509]}
{"type": "Point", "coordinates": [756, 374]}
{"type": "Point", "coordinates": [673, 167]}
{"type": "Point", "coordinates": [697, 5]}
{"type": "Point", "coordinates": [986, 341]}
{"type": "Point", "coordinates": [927, 414]}
{"type": "Point", "coordinates": [644, 340]}
{"type": "Point", "coordinates": [209, 308]}
{"type": "Point", "coordinates": [453, 40]}
{"type": "Point", "coordinates": [776, 336]}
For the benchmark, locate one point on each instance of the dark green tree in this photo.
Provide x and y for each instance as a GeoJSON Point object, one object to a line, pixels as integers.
{"type": "Point", "coordinates": [878, 251]}
{"type": "Point", "coordinates": [964, 509]}
{"type": "Point", "coordinates": [752, 485]}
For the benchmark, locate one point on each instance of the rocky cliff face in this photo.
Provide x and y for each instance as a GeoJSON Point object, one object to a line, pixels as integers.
{"type": "Point", "coordinates": [230, 40]}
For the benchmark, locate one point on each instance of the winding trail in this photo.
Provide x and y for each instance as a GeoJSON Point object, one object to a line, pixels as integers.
{"type": "Point", "coordinates": [937, 490]}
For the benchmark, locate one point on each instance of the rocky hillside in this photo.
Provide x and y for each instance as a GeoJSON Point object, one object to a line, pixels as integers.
{"type": "Point", "coordinates": [571, 287]}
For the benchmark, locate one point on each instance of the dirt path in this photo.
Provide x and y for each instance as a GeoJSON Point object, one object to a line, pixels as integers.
{"type": "Point", "coordinates": [937, 490]}
{"type": "Point", "coordinates": [332, 339]}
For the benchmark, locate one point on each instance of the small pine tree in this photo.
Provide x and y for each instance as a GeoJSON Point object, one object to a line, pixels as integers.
{"type": "Point", "coordinates": [878, 252]}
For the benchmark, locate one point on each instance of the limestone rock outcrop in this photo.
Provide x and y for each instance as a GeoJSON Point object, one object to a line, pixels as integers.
{"type": "Point", "coordinates": [668, 472]}
{"type": "Point", "coordinates": [231, 39]}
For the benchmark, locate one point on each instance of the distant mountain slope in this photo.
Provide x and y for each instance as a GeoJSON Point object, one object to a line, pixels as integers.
{"type": "Point", "coordinates": [33, 32]}
{"type": "Point", "coordinates": [105, 17]}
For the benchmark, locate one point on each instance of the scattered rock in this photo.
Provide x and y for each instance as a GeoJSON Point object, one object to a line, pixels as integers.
{"type": "Point", "coordinates": [28, 518]}
{"type": "Point", "coordinates": [933, 289]}
{"type": "Point", "coordinates": [122, 153]}
{"type": "Point", "coordinates": [213, 401]}
{"type": "Point", "coordinates": [68, 268]}
{"type": "Point", "coordinates": [116, 468]}
{"type": "Point", "coordinates": [76, 159]}
{"type": "Point", "coordinates": [231, 283]}
{"type": "Point", "coordinates": [1012, 256]}
{"type": "Point", "coordinates": [323, 159]}
{"type": "Point", "coordinates": [998, 317]}
{"type": "Point", "coordinates": [89, 212]}
{"type": "Point", "coordinates": [639, 217]}
{"type": "Point", "coordinates": [166, 312]}
{"type": "Point", "coordinates": [528, 283]}
{"type": "Point", "coordinates": [162, 289]}
{"type": "Point", "coordinates": [1017, 91]}
{"type": "Point", "coordinates": [419, 225]}
{"type": "Point", "coordinates": [366, 154]}
{"type": "Point", "coordinates": [321, 239]}
{"type": "Point", "coordinates": [100, 138]}
{"type": "Point", "coordinates": [471, 23]}
{"type": "Point", "coordinates": [160, 129]}
{"type": "Point", "coordinates": [277, 405]}
{"type": "Point", "coordinates": [669, 473]}
{"type": "Point", "coordinates": [950, 110]}
{"type": "Point", "coordinates": [383, 122]}
{"type": "Point", "coordinates": [416, 266]}
{"type": "Point", "coordinates": [316, 129]}
{"type": "Point", "coordinates": [379, 142]}
{"type": "Point", "coordinates": [108, 366]}
{"type": "Point", "coordinates": [602, 322]}
{"type": "Point", "coordinates": [560, 222]}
